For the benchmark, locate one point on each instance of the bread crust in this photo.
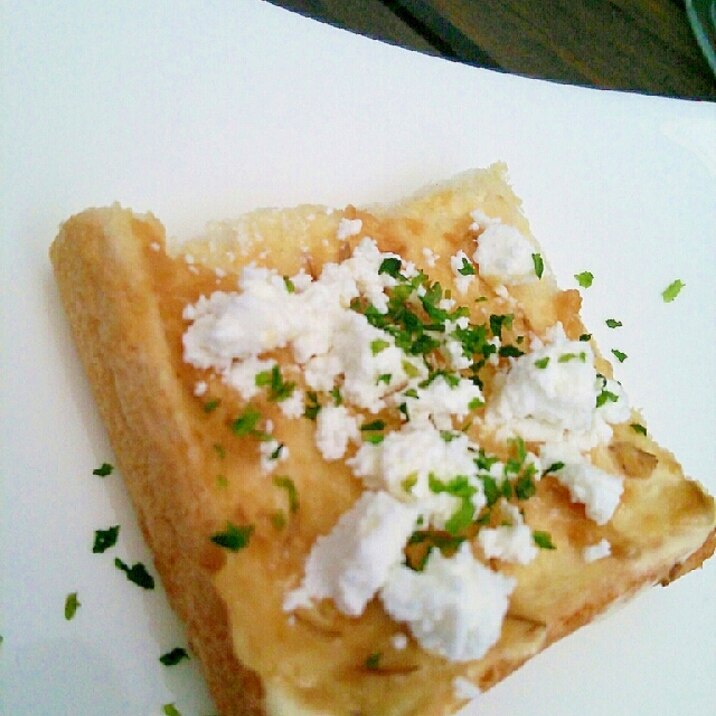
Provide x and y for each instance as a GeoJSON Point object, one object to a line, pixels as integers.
{"type": "Point", "coordinates": [110, 278]}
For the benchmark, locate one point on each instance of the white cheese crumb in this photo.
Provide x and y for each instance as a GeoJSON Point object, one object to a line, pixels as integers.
{"type": "Point", "coordinates": [335, 427]}
{"type": "Point", "coordinates": [293, 406]}
{"type": "Point", "coordinates": [455, 607]}
{"type": "Point", "coordinates": [511, 543]}
{"type": "Point", "coordinates": [599, 491]}
{"type": "Point", "coordinates": [465, 690]}
{"type": "Point", "coordinates": [403, 463]}
{"type": "Point", "coordinates": [155, 246]}
{"type": "Point", "coordinates": [200, 388]}
{"type": "Point", "coordinates": [462, 283]}
{"type": "Point", "coordinates": [399, 641]}
{"type": "Point", "coordinates": [557, 401]}
{"type": "Point", "coordinates": [593, 552]}
{"type": "Point", "coordinates": [352, 563]}
{"type": "Point", "coordinates": [267, 449]}
{"type": "Point", "coordinates": [242, 376]}
{"type": "Point", "coordinates": [504, 253]}
{"type": "Point", "coordinates": [430, 256]}
{"type": "Point", "coordinates": [348, 228]}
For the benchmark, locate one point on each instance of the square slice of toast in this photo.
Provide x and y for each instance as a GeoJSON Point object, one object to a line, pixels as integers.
{"type": "Point", "coordinates": [377, 456]}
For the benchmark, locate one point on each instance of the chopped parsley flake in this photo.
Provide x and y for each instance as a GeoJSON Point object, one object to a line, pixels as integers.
{"type": "Point", "coordinates": [373, 425]}
{"type": "Point", "coordinates": [621, 357]}
{"type": "Point", "coordinates": [613, 323]}
{"type": "Point", "coordinates": [276, 454]}
{"type": "Point", "coordinates": [290, 287]}
{"type": "Point", "coordinates": [246, 423]}
{"type": "Point", "coordinates": [313, 407]}
{"type": "Point", "coordinates": [137, 573]}
{"type": "Point", "coordinates": [286, 483]}
{"type": "Point", "coordinates": [173, 657]}
{"type": "Point", "coordinates": [510, 352]}
{"type": "Point", "coordinates": [234, 537]}
{"type": "Point", "coordinates": [538, 264]}
{"type": "Point", "coordinates": [542, 363]}
{"type": "Point", "coordinates": [373, 661]}
{"type": "Point", "coordinates": [374, 439]}
{"type": "Point", "coordinates": [337, 397]}
{"type": "Point", "coordinates": [672, 290]}
{"type": "Point", "coordinates": [461, 488]}
{"type": "Point", "coordinates": [104, 539]}
{"type": "Point", "coordinates": [475, 403]}
{"type": "Point", "coordinates": [566, 357]}
{"type": "Point", "coordinates": [467, 269]}
{"type": "Point", "coordinates": [584, 279]}
{"type": "Point", "coordinates": [104, 470]}
{"type": "Point", "coordinates": [211, 405]}
{"type": "Point", "coordinates": [384, 378]}
{"type": "Point", "coordinates": [553, 468]}
{"type": "Point", "coordinates": [543, 540]}
{"type": "Point", "coordinates": [500, 321]}
{"type": "Point", "coordinates": [391, 266]}
{"type": "Point", "coordinates": [378, 345]}
{"type": "Point", "coordinates": [606, 396]}
{"type": "Point", "coordinates": [410, 370]}
{"type": "Point", "coordinates": [409, 482]}
{"type": "Point", "coordinates": [170, 710]}
{"type": "Point", "coordinates": [638, 428]}
{"type": "Point", "coordinates": [585, 337]}
{"type": "Point", "coordinates": [71, 605]}
{"type": "Point", "coordinates": [279, 389]}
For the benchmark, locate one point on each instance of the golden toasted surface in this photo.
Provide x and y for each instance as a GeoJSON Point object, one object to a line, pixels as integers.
{"type": "Point", "coordinates": [189, 473]}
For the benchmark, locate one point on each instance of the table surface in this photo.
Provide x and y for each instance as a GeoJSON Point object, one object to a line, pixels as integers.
{"type": "Point", "coordinates": [637, 45]}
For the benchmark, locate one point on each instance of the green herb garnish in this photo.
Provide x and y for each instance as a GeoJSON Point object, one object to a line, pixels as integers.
{"type": "Point", "coordinates": [542, 363]}
{"type": "Point", "coordinates": [553, 468]}
{"type": "Point", "coordinates": [373, 425]}
{"type": "Point", "coordinates": [584, 279]}
{"type": "Point", "coordinates": [71, 605]}
{"type": "Point", "coordinates": [290, 287]}
{"type": "Point", "coordinates": [373, 661]}
{"type": "Point", "coordinates": [475, 403]}
{"type": "Point", "coordinates": [500, 321]}
{"type": "Point", "coordinates": [672, 290]}
{"type": "Point", "coordinates": [391, 266]}
{"type": "Point", "coordinates": [104, 470]}
{"type": "Point", "coordinates": [613, 323]}
{"type": "Point", "coordinates": [384, 378]}
{"type": "Point", "coordinates": [279, 389]}
{"type": "Point", "coordinates": [467, 269]}
{"type": "Point", "coordinates": [585, 337]}
{"type": "Point", "coordinates": [313, 407]}
{"type": "Point", "coordinates": [234, 537]}
{"type": "Point", "coordinates": [538, 264]}
{"type": "Point", "coordinates": [104, 539]}
{"type": "Point", "coordinates": [567, 357]}
{"type": "Point", "coordinates": [211, 405]}
{"type": "Point", "coordinates": [245, 424]}
{"type": "Point", "coordinates": [337, 397]}
{"type": "Point", "coordinates": [137, 573]}
{"type": "Point", "coordinates": [543, 540]}
{"type": "Point", "coordinates": [170, 710]}
{"type": "Point", "coordinates": [378, 345]}
{"type": "Point", "coordinates": [510, 352]}
{"type": "Point", "coordinates": [621, 357]}
{"type": "Point", "coordinates": [286, 483]}
{"type": "Point", "coordinates": [606, 396]}
{"type": "Point", "coordinates": [278, 519]}
{"type": "Point", "coordinates": [638, 428]}
{"type": "Point", "coordinates": [173, 657]}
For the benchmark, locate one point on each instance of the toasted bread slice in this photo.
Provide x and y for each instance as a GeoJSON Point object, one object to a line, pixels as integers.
{"type": "Point", "coordinates": [234, 525]}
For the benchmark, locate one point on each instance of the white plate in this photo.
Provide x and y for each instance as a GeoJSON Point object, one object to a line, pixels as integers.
{"type": "Point", "coordinates": [200, 111]}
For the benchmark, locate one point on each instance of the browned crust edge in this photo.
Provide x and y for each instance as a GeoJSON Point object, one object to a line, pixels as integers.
{"type": "Point", "coordinates": [106, 292]}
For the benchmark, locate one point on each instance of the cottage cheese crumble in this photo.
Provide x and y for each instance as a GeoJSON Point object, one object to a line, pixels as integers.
{"type": "Point", "coordinates": [399, 373]}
